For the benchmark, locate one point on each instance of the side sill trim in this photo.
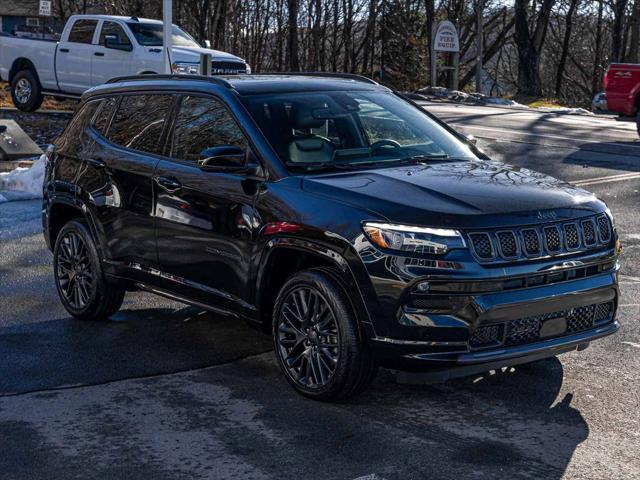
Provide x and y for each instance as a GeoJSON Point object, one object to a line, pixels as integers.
{"type": "Point", "coordinates": [180, 298]}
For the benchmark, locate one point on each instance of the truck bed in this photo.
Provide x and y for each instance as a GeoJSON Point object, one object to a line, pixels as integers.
{"type": "Point", "coordinates": [41, 53]}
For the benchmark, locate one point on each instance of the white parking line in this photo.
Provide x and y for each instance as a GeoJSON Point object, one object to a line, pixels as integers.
{"type": "Point", "coordinates": [628, 279]}
{"type": "Point", "coordinates": [608, 179]}
{"type": "Point", "coordinates": [528, 134]}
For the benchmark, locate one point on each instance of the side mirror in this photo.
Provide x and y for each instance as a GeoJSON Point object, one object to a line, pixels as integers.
{"type": "Point", "coordinates": [226, 158]}
{"type": "Point", "coordinates": [231, 159]}
{"type": "Point", "coordinates": [207, 43]}
{"type": "Point", "coordinates": [113, 42]}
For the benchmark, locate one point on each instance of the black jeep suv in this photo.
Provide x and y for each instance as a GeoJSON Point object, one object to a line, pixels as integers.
{"type": "Point", "coordinates": [349, 223]}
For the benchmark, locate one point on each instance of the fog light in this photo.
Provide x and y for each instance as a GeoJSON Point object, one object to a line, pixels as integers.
{"type": "Point", "coordinates": [423, 287]}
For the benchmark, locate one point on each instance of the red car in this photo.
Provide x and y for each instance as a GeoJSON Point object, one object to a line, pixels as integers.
{"type": "Point", "coordinates": [622, 85]}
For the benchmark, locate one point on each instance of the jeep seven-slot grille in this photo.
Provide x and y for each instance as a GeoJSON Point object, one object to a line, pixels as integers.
{"type": "Point", "coordinates": [532, 242]}
{"type": "Point", "coordinates": [527, 330]}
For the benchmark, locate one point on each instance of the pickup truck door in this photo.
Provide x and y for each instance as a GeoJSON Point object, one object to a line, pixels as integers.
{"type": "Point", "coordinates": [73, 57]}
{"type": "Point", "coordinates": [112, 56]}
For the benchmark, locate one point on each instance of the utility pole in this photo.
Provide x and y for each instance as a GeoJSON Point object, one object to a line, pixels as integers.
{"type": "Point", "coordinates": [167, 27]}
{"type": "Point", "coordinates": [479, 46]}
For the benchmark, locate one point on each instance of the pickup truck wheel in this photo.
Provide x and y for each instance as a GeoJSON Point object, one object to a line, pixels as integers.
{"type": "Point", "coordinates": [79, 278]}
{"type": "Point", "coordinates": [319, 344]}
{"type": "Point", "coordinates": [26, 92]}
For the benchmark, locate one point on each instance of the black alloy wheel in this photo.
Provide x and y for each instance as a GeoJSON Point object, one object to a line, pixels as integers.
{"type": "Point", "coordinates": [308, 338]}
{"type": "Point", "coordinates": [75, 276]}
{"type": "Point", "coordinates": [319, 342]}
{"type": "Point", "coordinates": [83, 289]}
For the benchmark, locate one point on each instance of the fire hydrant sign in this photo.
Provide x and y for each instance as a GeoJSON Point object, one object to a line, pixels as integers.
{"type": "Point", "coordinates": [446, 39]}
{"type": "Point", "coordinates": [45, 8]}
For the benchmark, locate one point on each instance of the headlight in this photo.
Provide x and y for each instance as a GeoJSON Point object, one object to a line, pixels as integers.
{"type": "Point", "coordinates": [185, 68]}
{"type": "Point", "coordinates": [413, 239]}
{"type": "Point", "coordinates": [248, 69]}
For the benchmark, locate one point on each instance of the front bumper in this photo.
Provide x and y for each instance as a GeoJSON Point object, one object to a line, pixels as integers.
{"type": "Point", "coordinates": [444, 343]}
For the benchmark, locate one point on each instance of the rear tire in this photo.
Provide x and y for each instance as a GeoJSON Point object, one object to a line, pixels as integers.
{"type": "Point", "coordinates": [320, 346]}
{"type": "Point", "coordinates": [26, 91]}
{"type": "Point", "coordinates": [80, 281]}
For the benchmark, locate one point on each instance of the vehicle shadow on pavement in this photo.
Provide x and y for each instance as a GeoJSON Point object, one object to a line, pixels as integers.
{"type": "Point", "coordinates": [510, 424]}
{"type": "Point", "coordinates": [134, 343]}
{"type": "Point", "coordinates": [619, 155]}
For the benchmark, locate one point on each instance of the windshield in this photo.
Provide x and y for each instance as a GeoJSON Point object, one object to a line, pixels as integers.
{"type": "Point", "coordinates": [320, 130]}
{"type": "Point", "coordinates": [150, 35]}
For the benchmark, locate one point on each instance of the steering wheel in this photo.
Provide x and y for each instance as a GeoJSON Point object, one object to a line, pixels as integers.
{"type": "Point", "coordinates": [384, 143]}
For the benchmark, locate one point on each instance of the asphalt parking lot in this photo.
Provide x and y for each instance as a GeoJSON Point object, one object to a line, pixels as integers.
{"type": "Point", "coordinates": [167, 391]}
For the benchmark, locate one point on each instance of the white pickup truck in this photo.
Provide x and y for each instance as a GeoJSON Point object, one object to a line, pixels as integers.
{"type": "Point", "coordinates": [93, 49]}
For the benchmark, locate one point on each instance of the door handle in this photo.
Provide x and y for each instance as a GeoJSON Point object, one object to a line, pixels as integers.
{"type": "Point", "coordinates": [96, 163]}
{"type": "Point", "coordinates": [98, 54]}
{"type": "Point", "coordinates": [169, 184]}
{"type": "Point", "coordinates": [64, 50]}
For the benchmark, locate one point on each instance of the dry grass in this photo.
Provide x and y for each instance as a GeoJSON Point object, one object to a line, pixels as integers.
{"type": "Point", "coordinates": [50, 103]}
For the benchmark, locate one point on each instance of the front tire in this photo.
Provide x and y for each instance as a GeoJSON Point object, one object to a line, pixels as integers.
{"type": "Point", "coordinates": [320, 346]}
{"type": "Point", "coordinates": [26, 91]}
{"type": "Point", "coordinates": [79, 278]}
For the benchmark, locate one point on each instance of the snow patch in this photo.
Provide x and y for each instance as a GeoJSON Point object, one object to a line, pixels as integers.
{"type": "Point", "coordinates": [23, 183]}
{"type": "Point", "coordinates": [475, 98]}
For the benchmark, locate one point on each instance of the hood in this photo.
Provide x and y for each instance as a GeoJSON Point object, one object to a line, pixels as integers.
{"type": "Point", "coordinates": [458, 194]}
{"type": "Point", "coordinates": [192, 54]}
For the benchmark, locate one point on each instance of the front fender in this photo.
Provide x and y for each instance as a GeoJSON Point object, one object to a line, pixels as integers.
{"type": "Point", "coordinates": [338, 252]}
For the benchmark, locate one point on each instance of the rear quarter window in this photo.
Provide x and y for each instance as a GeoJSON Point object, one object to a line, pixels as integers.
{"type": "Point", "coordinates": [103, 117]}
{"type": "Point", "coordinates": [139, 122]}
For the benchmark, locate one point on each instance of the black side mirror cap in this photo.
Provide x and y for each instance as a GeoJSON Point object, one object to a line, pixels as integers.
{"type": "Point", "coordinates": [232, 159]}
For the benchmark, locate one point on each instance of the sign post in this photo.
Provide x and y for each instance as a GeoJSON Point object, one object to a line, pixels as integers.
{"type": "Point", "coordinates": [44, 11]}
{"type": "Point", "coordinates": [167, 27]}
{"type": "Point", "coordinates": [445, 40]}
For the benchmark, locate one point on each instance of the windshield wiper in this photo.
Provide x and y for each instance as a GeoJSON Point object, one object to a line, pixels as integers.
{"type": "Point", "coordinates": [321, 165]}
{"type": "Point", "coordinates": [369, 163]}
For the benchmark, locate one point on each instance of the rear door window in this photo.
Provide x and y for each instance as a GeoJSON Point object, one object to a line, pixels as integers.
{"type": "Point", "coordinates": [139, 122]}
{"type": "Point", "coordinates": [82, 31]}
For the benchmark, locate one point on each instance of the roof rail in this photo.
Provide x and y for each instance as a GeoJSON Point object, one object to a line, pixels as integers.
{"type": "Point", "coordinates": [346, 76]}
{"type": "Point", "coordinates": [171, 76]}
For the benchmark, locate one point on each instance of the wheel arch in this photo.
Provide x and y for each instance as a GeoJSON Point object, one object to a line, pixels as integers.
{"type": "Point", "coordinates": [20, 64]}
{"type": "Point", "coordinates": [283, 257]}
{"type": "Point", "coordinates": [63, 210]}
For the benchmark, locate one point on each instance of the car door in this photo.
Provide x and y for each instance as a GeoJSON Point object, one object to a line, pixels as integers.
{"type": "Point", "coordinates": [117, 178]}
{"type": "Point", "coordinates": [73, 58]}
{"type": "Point", "coordinates": [112, 56]}
{"type": "Point", "coordinates": [205, 220]}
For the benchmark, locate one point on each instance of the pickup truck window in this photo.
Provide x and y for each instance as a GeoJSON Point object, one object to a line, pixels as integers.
{"type": "Point", "coordinates": [82, 31]}
{"type": "Point", "coordinates": [112, 28]}
{"type": "Point", "coordinates": [139, 121]}
{"type": "Point", "coordinates": [204, 123]}
{"type": "Point", "coordinates": [150, 35]}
